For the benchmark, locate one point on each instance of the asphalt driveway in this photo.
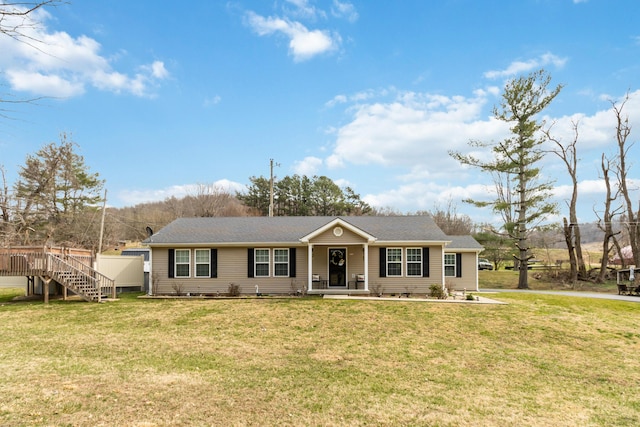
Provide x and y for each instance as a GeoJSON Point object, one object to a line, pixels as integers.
{"type": "Point", "coordinates": [571, 294]}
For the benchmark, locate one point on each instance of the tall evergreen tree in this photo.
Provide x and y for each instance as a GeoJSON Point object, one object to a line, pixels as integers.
{"type": "Point", "coordinates": [517, 158]}
{"type": "Point", "coordinates": [55, 188]}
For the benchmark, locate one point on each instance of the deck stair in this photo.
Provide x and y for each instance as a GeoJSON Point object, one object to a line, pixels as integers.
{"type": "Point", "coordinates": [79, 278]}
{"type": "Point", "coordinates": [72, 272]}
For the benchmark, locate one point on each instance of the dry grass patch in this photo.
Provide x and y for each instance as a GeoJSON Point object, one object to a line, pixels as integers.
{"type": "Point", "coordinates": [541, 360]}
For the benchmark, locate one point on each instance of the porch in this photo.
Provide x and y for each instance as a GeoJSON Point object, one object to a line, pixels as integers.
{"type": "Point", "coordinates": [338, 269]}
{"type": "Point", "coordinates": [320, 286]}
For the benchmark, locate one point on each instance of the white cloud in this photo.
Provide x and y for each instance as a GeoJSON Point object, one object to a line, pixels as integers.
{"type": "Point", "coordinates": [308, 166]}
{"type": "Point", "coordinates": [53, 63]}
{"type": "Point", "coordinates": [519, 67]}
{"type": "Point", "coordinates": [304, 10]}
{"type": "Point", "coordinates": [406, 137]}
{"type": "Point", "coordinates": [338, 99]}
{"type": "Point", "coordinates": [303, 43]}
{"type": "Point", "coordinates": [426, 195]}
{"type": "Point", "coordinates": [356, 97]}
{"type": "Point", "coordinates": [159, 71]}
{"type": "Point", "coordinates": [414, 130]}
{"type": "Point", "coordinates": [344, 10]}
{"type": "Point", "coordinates": [49, 85]}
{"type": "Point", "coordinates": [215, 100]}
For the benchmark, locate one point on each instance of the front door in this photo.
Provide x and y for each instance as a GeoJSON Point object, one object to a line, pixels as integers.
{"type": "Point", "coordinates": [338, 267]}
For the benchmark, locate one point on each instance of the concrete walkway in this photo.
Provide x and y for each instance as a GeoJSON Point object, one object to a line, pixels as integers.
{"type": "Point", "coordinates": [480, 300]}
{"type": "Point", "coordinates": [599, 295]}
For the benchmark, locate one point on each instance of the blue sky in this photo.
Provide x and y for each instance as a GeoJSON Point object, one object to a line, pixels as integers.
{"type": "Point", "coordinates": [371, 94]}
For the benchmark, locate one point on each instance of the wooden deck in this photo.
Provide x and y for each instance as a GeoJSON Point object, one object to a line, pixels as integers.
{"type": "Point", "coordinates": [69, 267]}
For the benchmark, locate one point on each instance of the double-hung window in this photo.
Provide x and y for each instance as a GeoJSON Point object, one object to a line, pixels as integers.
{"type": "Point", "coordinates": [450, 265]}
{"type": "Point", "coordinates": [203, 262]}
{"type": "Point", "coordinates": [414, 261]}
{"type": "Point", "coordinates": [394, 262]}
{"type": "Point", "coordinates": [281, 262]}
{"type": "Point", "coordinates": [183, 262]}
{"type": "Point", "coordinates": [262, 262]}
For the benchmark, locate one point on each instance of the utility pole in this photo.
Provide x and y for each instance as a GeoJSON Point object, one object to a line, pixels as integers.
{"type": "Point", "coordinates": [104, 211]}
{"type": "Point", "coordinates": [271, 188]}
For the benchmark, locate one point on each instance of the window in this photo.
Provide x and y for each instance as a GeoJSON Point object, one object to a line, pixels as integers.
{"type": "Point", "coordinates": [281, 262]}
{"type": "Point", "coordinates": [414, 261]}
{"type": "Point", "coordinates": [394, 262]}
{"type": "Point", "coordinates": [262, 262]}
{"type": "Point", "coordinates": [203, 262]}
{"type": "Point", "coordinates": [450, 265]}
{"type": "Point", "coordinates": [183, 262]}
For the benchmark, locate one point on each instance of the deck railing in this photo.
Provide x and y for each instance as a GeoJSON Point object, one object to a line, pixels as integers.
{"type": "Point", "coordinates": [69, 267]}
{"type": "Point", "coordinates": [80, 278]}
{"type": "Point", "coordinates": [22, 262]}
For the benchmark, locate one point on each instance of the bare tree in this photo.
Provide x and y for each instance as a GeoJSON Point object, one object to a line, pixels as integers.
{"type": "Point", "coordinates": [6, 225]}
{"type": "Point", "coordinates": [569, 155]}
{"type": "Point", "coordinates": [623, 130]}
{"type": "Point", "coordinates": [606, 222]}
{"type": "Point", "coordinates": [450, 221]}
{"type": "Point", "coordinates": [17, 23]}
{"type": "Point", "coordinates": [210, 200]}
{"type": "Point", "coordinates": [16, 19]}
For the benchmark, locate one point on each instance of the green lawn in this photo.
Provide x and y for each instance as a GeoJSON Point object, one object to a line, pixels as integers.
{"type": "Point", "coordinates": [539, 280]}
{"type": "Point", "coordinates": [539, 361]}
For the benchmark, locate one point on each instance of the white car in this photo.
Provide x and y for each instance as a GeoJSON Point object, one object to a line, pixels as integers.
{"type": "Point", "coordinates": [484, 264]}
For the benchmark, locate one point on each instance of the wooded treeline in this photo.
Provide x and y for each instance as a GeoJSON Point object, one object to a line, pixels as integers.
{"type": "Point", "coordinates": [57, 200]}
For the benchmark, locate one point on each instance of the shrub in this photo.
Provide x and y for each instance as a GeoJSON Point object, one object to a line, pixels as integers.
{"type": "Point", "coordinates": [233, 290]}
{"type": "Point", "coordinates": [470, 297]}
{"type": "Point", "coordinates": [436, 291]}
{"type": "Point", "coordinates": [376, 289]}
{"type": "Point", "coordinates": [178, 288]}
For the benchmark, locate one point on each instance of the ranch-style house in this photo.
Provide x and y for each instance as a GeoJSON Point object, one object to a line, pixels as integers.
{"type": "Point", "coordinates": [310, 255]}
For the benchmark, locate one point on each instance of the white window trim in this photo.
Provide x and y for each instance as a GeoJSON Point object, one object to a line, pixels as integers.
{"type": "Point", "coordinates": [255, 262]}
{"type": "Point", "coordinates": [449, 265]}
{"type": "Point", "coordinates": [176, 263]}
{"type": "Point", "coordinates": [196, 263]}
{"type": "Point", "coordinates": [395, 262]}
{"type": "Point", "coordinates": [407, 262]}
{"type": "Point", "coordinates": [281, 263]}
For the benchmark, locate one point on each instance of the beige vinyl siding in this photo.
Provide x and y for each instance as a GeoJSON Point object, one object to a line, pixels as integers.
{"type": "Point", "coordinates": [469, 279]}
{"type": "Point", "coordinates": [232, 268]}
{"type": "Point", "coordinates": [328, 238]}
{"type": "Point", "coordinates": [396, 285]}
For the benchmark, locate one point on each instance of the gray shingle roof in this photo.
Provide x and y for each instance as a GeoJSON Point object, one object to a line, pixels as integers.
{"type": "Point", "coordinates": [463, 242]}
{"type": "Point", "coordinates": [228, 230]}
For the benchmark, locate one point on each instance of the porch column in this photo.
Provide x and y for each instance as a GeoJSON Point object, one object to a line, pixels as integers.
{"type": "Point", "coordinates": [365, 248]}
{"type": "Point", "coordinates": [309, 266]}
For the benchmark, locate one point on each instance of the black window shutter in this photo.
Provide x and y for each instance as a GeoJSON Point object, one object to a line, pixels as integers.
{"type": "Point", "coordinates": [292, 262]}
{"type": "Point", "coordinates": [458, 265]}
{"type": "Point", "coordinates": [425, 262]}
{"type": "Point", "coordinates": [214, 263]}
{"type": "Point", "coordinates": [383, 262]}
{"type": "Point", "coordinates": [250, 271]}
{"type": "Point", "coordinates": [172, 258]}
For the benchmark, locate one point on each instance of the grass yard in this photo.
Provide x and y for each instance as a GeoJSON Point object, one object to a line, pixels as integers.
{"type": "Point", "coordinates": [539, 280]}
{"type": "Point", "coordinates": [541, 360]}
